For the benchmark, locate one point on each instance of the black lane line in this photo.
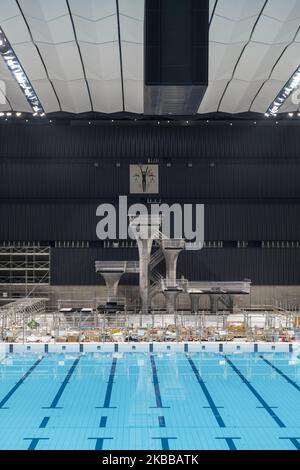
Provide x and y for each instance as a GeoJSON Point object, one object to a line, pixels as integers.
{"type": "Point", "coordinates": [100, 441]}
{"type": "Point", "coordinates": [212, 405]}
{"type": "Point", "coordinates": [35, 441]}
{"type": "Point", "coordinates": [161, 422]}
{"type": "Point", "coordinates": [110, 384]}
{"type": "Point", "coordinates": [294, 441]}
{"type": "Point", "coordinates": [44, 422]}
{"type": "Point", "coordinates": [229, 441]}
{"type": "Point", "coordinates": [63, 385]}
{"type": "Point", "coordinates": [158, 398]}
{"type": "Point", "coordinates": [22, 380]}
{"type": "Point", "coordinates": [286, 377]}
{"type": "Point", "coordinates": [103, 422]}
{"type": "Point", "coordinates": [256, 394]}
{"type": "Point", "coordinates": [164, 441]}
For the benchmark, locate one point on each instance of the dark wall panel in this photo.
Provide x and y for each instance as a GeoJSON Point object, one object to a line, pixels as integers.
{"type": "Point", "coordinates": [78, 221]}
{"type": "Point", "coordinates": [75, 179]}
{"type": "Point", "coordinates": [77, 266]}
{"type": "Point", "coordinates": [119, 141]}
{"type": "Point", "coordinates": [263, 267]}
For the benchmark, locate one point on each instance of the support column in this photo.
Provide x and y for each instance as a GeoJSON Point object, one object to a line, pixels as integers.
{"type": "Point", "coordinates": [171, 250]}
{"type": "Point", "coordinates": [171, 297]}
{"type": "Point", "coordinates": [145, 229]}
{"type": "Point", "coordinates": [214, 302]}
{"type": "Point", "coordinates": [195, 302]}
{"type": "Point", "coordinates": [144, 247]}
{"type": "Point", "coordinates": [112, 282]}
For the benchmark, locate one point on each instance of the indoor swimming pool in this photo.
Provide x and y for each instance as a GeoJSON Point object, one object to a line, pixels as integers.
{"type": "Point", "coordinates": [132, 401]}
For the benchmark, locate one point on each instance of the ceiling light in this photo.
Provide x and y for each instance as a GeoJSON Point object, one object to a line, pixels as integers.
{"type": "Point", "coordinates": [292, 85]}
{"type": "Point", "coordinates": [291, 115]}
{"type": "Point", "coordinates": [18, 114]}
{"type": "Point", "coordinates": [16, 69]}
{"type": "Point", "coordinates": [8, 114]}
{"type": "Point", "coordinates": [2, 114]}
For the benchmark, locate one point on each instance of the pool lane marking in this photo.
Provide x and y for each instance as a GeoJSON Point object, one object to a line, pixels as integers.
{"type": "Point", "coordinates": [61, 390]}
{"type": "Point", "coordinates": [164, 441]}
{"type": "Point", "coordinates": [212, 405]}
{"type": "Point", "coordinates": [110, 383]}
{"type": "Point", "coordinates": [158, 398]}
{"type": "Point", "coordinates": [20, 382]}
{"type": "Point", "coordinates": [103, 422]}
{"type": "Point", "coordinates": [44, 422]}
{"type": "Point", "coordinates": [35, 441]}
{"type": "Point", "coordinates": [257, 395]}
{"type": "Point", "coordinates": [161, 422]}
{"type": "Point", "coordinates": [100, 441]}
{"type": "Point", "coordinates": [229, 441]}
{"type": "Point", "coordinates": [286, 377]}
{"type": "Point", "coordinates": [294, 441]}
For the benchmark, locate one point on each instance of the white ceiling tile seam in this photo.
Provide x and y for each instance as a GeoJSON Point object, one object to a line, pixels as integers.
{"type": "Point", "coordinates": [39, 54]}
{"type": "Point", "coordinates": [242, 52]}
{"type": "Point", "coordinates": [80, 54]}
{"type": "Point", "coordinates": [274, 66]}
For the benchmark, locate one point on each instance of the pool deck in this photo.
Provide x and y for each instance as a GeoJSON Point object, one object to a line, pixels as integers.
{"type": "Point", "coordinates": [213, 347]}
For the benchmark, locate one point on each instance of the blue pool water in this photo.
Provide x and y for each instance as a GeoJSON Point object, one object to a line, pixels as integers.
{"type": "Point", "coordinates": [137, 401]}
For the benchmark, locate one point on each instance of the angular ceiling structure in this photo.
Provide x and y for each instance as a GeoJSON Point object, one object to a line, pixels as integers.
{"type": "Point", "coordinates": [83, 56]}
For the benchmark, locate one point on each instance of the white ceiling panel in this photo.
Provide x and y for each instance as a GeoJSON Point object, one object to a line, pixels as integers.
{"type": "Point", "coordinates": [288, 63]}
{"type": "Point", "coordinates": [243, 92]}
{"type": "Point", "coordinates": [226, 31]}
{"type": "Point", "coordinates": [268, 54]}
{"type": "Point", "coordinates": [222, 60]}
{"type": "Point", "coordinates": [63, 61]}
{"type": "Point", "coordinates": [237, 10]}
{"type": "Point", "coordinates": [106, 95]}
{"type": "Point", "coordinates": [132, 8]}
{"type": "Point", "coordinates": [73, 95]}
{"type": "Point", "coordinates": [93, 10]}
{"type": "Point", "coordinates": [30, 60]}
{"type": "Point", "coordinates": [273, 31]}
{"type": "Point", "coordinates": [43, 9]}
{"type": "Point", "coordinates": [101, 61]}
{"type": "Point", "coordinates": [132, 46]}
{"type": "Point", "coordinates": [16, 97]}
{"type": "Point", "coordinates": [46, 95]}
{"type": "Point", "coordinates": [97, 32]}
{"type": "Point", "coordinates": [57, 31]}
{"type": "Point", "coordinates": [257, 61]}
{"type": "Point", "coordinates": [73, 48]}
{"type": "Point", "coordinates": [283, 10]}
{"type": "Point", "coordinates": [266, 96]}
{"type": "Point", "coordinates": [212, 96]}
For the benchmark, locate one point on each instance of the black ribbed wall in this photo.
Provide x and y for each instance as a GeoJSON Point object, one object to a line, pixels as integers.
{"type": "Point", "coordinates": [248, 177]}
{"type": "Point", "coordinates": [46, 221]}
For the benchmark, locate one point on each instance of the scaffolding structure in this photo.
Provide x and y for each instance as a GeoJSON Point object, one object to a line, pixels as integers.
{"type": "Point", "coordinates": [14, 315]}
{"type": "Point", "coordinates": [24, 271]}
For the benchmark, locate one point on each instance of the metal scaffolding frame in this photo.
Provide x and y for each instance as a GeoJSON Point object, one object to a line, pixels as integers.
{"type": "Point", "coordinates": [23, 269]}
